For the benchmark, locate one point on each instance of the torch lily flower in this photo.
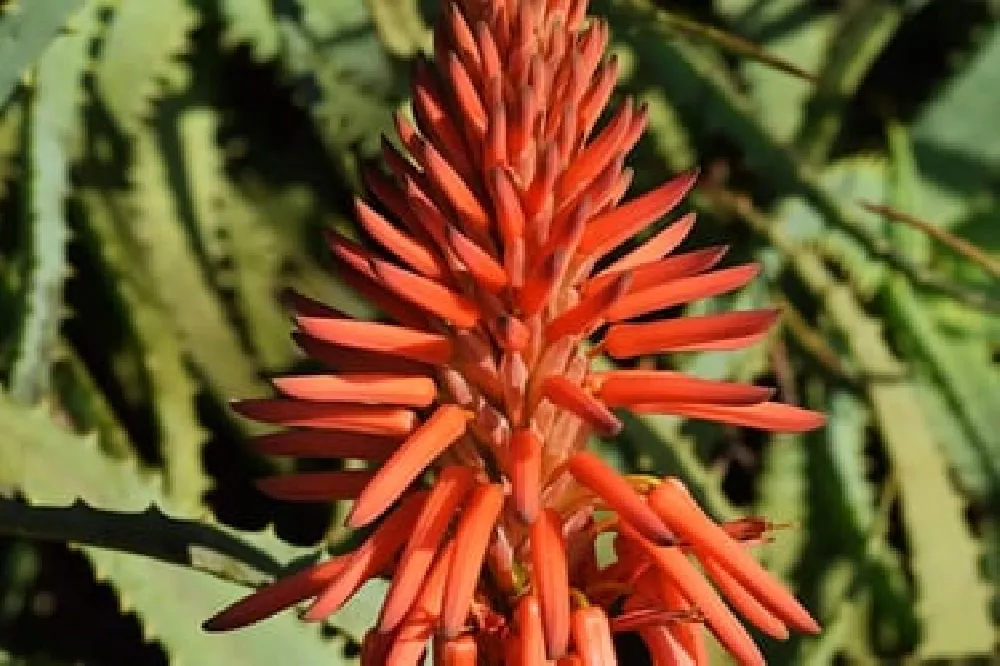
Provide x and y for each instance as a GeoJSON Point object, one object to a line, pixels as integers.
{"type": "Point", "coordinates": [501, 253]}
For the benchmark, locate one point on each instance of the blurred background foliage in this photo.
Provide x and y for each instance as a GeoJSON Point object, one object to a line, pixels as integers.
{"type": "Point", "coordinates": [166, 170]}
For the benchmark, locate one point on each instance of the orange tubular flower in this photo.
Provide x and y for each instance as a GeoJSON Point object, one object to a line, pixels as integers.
{"type": "Point", "coordinates": [503, 258]}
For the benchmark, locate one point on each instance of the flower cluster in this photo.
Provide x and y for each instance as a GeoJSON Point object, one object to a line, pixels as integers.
{"type": "Point", "coordinates": [501, 253]}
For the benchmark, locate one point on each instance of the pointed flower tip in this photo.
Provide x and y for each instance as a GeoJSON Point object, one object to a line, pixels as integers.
{"type": "Point", "coordinates": [818, 421]}
{"type": "Point", "coordinates": [741, 600]}
{"type": "Point", "coordinates": [772, 416]}
{"type": "Point", "coordinates": [576, 399]}
{"type": "Point", "coordinates": [608, 484]}
{"type": "Point", "coordinates": [213, 625]}
{"type": "Point", "coordinates": [276, 597]}
{"type": "Point", "coordinates": [239, 615]}
{"type": "Point", "coordinates": [426, 294]}
{"type": "Point", "coordinates": [358, 517]}
{"type": "Point", "coordinates": [637, 387]}
{"type": "Point", "coordinates": [444, 427]}
{"type": "Point", "coordinates": [811, 626]}
{"type": "Point", "coordinates": [672, 503]}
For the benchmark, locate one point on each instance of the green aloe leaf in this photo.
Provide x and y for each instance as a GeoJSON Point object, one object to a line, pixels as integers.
{"type": "Point", "coordinates": [959, 364]}
{"type": "Point", "coordinates": [726, 41]}
{"type": "Point", "coordinates": [400, 26]}
{"type": "Point", "coordinates": [228, 235]}
{"type": "Point", "coordinates": [783, 498]}
{"type": "Point", "coordinates": [876, 592]}
{"type": "Point", "coordinates": [964, 376]}
{"type": "Point", "coordinates": [863, 32]}
{"type": "Point", "coordinates": [140, 58]}
{"type": "Point", "coordinates": [974, 466]}
{"type": "Point", "coordinates": [248, 255]}
{"type": "Point", "coordinates": [707, 96]}
{"type": "Point", "coordinates": [952, 599]}
{"type": "Point", "coordinates": [26, 29]}
{"type": "Point", "coordinates": [174, 270]}
{"type": "Point", "coordinates": [148, 555]}
{"type": "Point", "coordinates": [11, 141]}
{"type": "Point", "coordinates": [955, 149]}
{"type": "Point", "coordinates": [9, 660]}
{"type": "Point", "coordinates": [856, 179]}
{"type": "Point", "coordinates": [85, 404]}
{"type": "Point", "coordinates": [332, 46]}
{"type": "Point", "coordinates": [251, 22]}
{"type": "Point", "coordinates": [166, 376]}
{"type": "Point", "coordinates": [845, 435]}
{"type": "Point", "coordinates": [780, 99]}
{"type": "Point", "coordinates": [54, 125]}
